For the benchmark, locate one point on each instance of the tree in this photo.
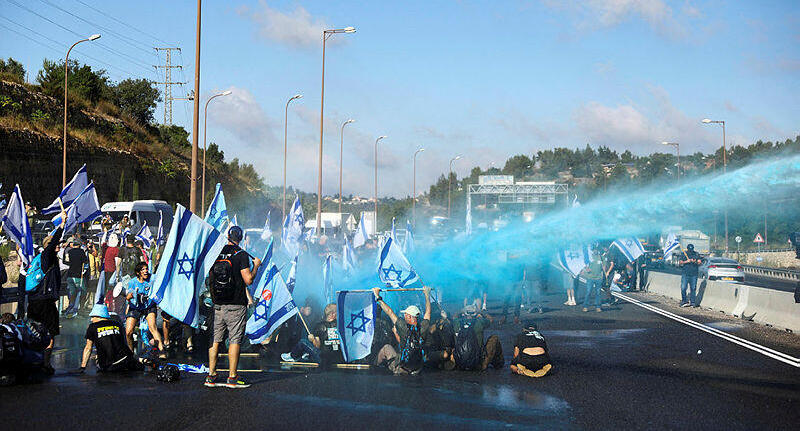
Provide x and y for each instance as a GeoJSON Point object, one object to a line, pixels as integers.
{"type": "Point", "coordinates": [135, 193]}
{"type": "Point", "coordinates": [83, 81]}
{"type": "Point", "coordinates": [174, 136]}
{"type": "Point", "coordinates": [12, 69]}
{"type": "Point", "coordinates": [137, 98]}
{"type": "Point", "coordinates": [121, 189]}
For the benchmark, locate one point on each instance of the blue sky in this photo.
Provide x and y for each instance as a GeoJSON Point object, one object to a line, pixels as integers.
{"type": "Point", "coordinates": [486, 80]}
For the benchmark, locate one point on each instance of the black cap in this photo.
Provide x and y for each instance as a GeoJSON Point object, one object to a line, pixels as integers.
{"type": "Point", "coordinates": [235, 234]}
{"type": "Point", "coordinates": [690, 247]}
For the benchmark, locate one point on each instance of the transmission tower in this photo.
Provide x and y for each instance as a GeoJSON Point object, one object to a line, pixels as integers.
{"type": "Point", "coordinates": [168, 83]}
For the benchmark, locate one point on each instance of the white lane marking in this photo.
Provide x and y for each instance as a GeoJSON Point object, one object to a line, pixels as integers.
{"type": "Point", "coordinates": [766, 351]}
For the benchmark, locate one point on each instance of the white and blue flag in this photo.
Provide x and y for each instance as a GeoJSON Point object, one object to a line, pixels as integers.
{"type": "Point", "coordinates": [408, 243]}
{"type": "Point", "coordinates": [266, 234]}
{"type": "Point", "coordinates": [327, 279]}
{"type": "Point", "coordinates": [393, 267]}
{"type": "Point", "coordinates": [293, 229]}
{"type": "Point", "coordinates": [356, 323]}
{"type": "Point", "coordinates": [145, 236]}
{"type": "Point", "coordinates": [575, 258]}
{"type": "Point", "coordinates": [274, 306]}
{"type": "Point", "coordinates": [670, 244]}
{"type": "Point", "coordinates": [292, 277]}
{"type": "Point", "coordinates": [348, 257]}
{"type": "Point", "coordinates": [393, 235]}
{"type": "Point", "coordinates": [217, 214]}
{"type": "Point", "coordinates": [631, 247]}
{"type": "Point", "coordinates": [84, 208]}
{"type": "Point", "coordinates": [191, 250]}
{"type": "Point", "coordinates": [360, 237]}
{"type": "Point", "coordinates": [15, 224]}
{"type": "Point", "coordinates": [468, 221]}
{"type": "Point", "coordinates": [234, 221]}
{"type": "Point", "coordinates": [71, 191]}
{"type": "Point", "coordinates": [160, 239]}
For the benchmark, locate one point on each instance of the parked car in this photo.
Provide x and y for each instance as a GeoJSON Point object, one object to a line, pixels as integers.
{"type": "Point", "coordinates": [139, 212]}
{"type": "Point", "coordinates": [720, 268]}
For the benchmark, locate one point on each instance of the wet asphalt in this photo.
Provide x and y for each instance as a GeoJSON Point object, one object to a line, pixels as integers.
{"type": "Point", "coordinates": [624, 368]}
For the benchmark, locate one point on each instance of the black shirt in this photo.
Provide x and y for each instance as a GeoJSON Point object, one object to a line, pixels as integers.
{"type": "Point", "coordinates": [75, 259]}
{"type": "Point", "coordinates": [239, 261]}
{"type": "Point", "coordinates": [690, 269]}
{"type": "Point", "coordinates": [528, 339]}
{"type": "Point", "coordinates": [50, 285]}
{"type": "Point", "coordinates": [129, 257]}
{"type": "Point", "coordinates": [108, 338]}
{"type": "Point", "coordinates": [330, 349]}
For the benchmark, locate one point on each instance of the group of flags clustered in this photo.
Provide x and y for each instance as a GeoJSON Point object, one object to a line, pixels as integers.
{"type": "Point", "coordinates": [194, 243]}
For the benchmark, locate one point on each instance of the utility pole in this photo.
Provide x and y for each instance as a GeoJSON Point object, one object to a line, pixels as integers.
{"type": "Point", "coordinates": [168, 83]}
{"type": "Point", "coordinates": [196, 115]}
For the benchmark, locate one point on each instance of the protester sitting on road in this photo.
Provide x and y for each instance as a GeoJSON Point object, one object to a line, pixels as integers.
{"type": "Point", "coordinates": [229, 278]}
{"type": "Point", "coordinates": [290, 333]}
{"type": "Point", "coordinates": [470, 351]}
{"type": "Point", "coordinates": [105, 334]}
{"type": "Point", "coordinates": [689, 264]}
{"type": "Point", "coordinates": [141, 306]}
{"type": "Point", "coordinates": [531, 357]}
{"type": "Point", "coordinates": [76, 259]}
{"type": "Point", "coordinates": [323, 345]}
{"type": "Point", "coordinates": [438, 342]}
{"type": "Point", "coordinates": [407, 332]}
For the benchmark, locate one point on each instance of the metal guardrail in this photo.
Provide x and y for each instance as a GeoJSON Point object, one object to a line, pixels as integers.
{"type": "Point", "coordinates": [782, 274]}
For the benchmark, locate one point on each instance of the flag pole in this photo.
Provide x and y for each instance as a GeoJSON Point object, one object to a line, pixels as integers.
{"type": "Point", "coordinates": [304, 321]}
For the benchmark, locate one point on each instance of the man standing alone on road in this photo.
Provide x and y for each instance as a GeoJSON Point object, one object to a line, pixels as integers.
{"type": "Point", "coordinates": [689, 277]}
{"type": "Point", "coordinates": [230, 276]}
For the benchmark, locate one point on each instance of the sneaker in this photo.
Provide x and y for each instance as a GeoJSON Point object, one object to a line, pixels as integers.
{"type": "Point", "coordinates": [287, 357]}
{"type": "Point", "coordinates": [686, 304]}
{"type": "Point", "coordinates": [236, 382]}
{"type": "Point", "coordinates": [211, 381]}
{"type": "Point", "coordinates": [585, 309]}
{"type": "Point", "coordinates": [598, 309]}
{"type": "Point", "coordinates": [306, 357]}
{"type": "Point", "coordinates": [568, 302]}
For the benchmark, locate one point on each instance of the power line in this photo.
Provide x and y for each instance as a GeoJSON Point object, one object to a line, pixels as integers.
{"type": "Point", "coordinates": [113, 51]}
{"type": "Point", "coordinates": [122, 22]}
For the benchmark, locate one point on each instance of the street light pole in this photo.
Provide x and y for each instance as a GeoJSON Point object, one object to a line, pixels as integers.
{"type": "Point", "coordinates": [325, 35]}
{"type": "Point", "coordinates": [66, 74]}
{"type": "Point", "coordinates": [449, 183]}
{"type": "Point", "coordinates": [205, 127]}
{"type": "Point", "coordinates": [724, 168]}
{"type": "Point", "coordinates": [414, 188]}
{"type": "Point", "coordinates": [285, 147]}
{"type": "Point", "coordinates": [678, 150]}
{"type": "Point", "coordinates": [376, 182]}
{"type": "Point", "coordinates": [196, 114]}
{"type": "Point", "coordinates": [341, 164]}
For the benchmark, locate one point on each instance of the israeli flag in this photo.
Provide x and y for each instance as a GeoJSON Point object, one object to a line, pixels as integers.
{"type": "Point", "coordinates": [266, 234]}
{"type": "Point", "coordinates": [356, 323]}
{"type": "Point", "coordinates": [15, 224]}
{"type": "Point", "coordinates": [292, 278]}
{"type": "Point", "coordinates": [145, 236]}
{"type": "Point", "coordinates": [393, 235]}
{"type": "Point", "coordinates": [670, 245]}
{"type": "Point", "coordinates": [217, 214]}
{"type": "Point", "coordinates": [468, 221]}
{"type": "Point", "coordinates": [408, 243]}
{"type": "Point", "coordinates": [274, 306]}
{"type": "Point", "coordinates": [348, 257]}
{"type": "Point", "coordinates": [84, 208]}
{"type": "Point", "coordinates": [631, 247]}
{"type": "Point", "coordinates": [575, 203]}
{"type": "Point", "coordinates": [160, 234]}
{"type": "Point", "coordinates": [575, 258]}
{"type": "Point", "coordinates": [234, 221]}
{"type": "Point", "coordinates": [327, 279]}
{"type": "Point", "coordinates": [360, 237]}
{"type": "Point", "coordinates": [71, 191]}
{"type": "Point", "coordinates": [393, 267]}
{"type": "Point", "coordinates": [191, 250]}
{"type": "Point", "coordinates": [293, 229]}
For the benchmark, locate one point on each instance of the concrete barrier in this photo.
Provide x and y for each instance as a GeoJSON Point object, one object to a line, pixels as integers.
{"type": "Point", "coordinates": [774, 308]}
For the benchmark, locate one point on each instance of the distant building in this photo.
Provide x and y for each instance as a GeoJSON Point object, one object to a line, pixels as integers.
{"type": "Point", "coordinates": [332, 223]}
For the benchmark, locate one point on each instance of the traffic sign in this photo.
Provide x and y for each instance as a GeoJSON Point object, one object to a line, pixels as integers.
{"type": "Point", "coordinates": [738, 238]}
{"type": "Point", "coordinates": [758, 239]}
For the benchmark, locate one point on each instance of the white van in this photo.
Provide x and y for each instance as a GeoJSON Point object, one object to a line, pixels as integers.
{"type": "Point", "coordinates": [139, 212]}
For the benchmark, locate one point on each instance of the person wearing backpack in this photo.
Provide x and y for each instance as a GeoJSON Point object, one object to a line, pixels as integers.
{"type": "Point", "coordinates": [230, 275]}
{"type": "Point", "coordinates": [470, 351]}
{"type": "Point", "coordinates": [438, 342]}
{"type": "Point", "coordinates": [42, 299]}
{"type": "Point", "coordinates": [409, 359]}
{"type": "Point", "coordinates": [531, 357]}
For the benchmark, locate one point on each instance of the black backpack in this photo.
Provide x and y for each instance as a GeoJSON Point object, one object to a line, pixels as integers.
{"type": "Point", "coordinates": [467, 351]}
{"type": "Point", "coordinates": [10, 345]}
{"type": "Point", "coordinates": [223, 284]}
{"type": "Point", "coordinates": [411, 357]}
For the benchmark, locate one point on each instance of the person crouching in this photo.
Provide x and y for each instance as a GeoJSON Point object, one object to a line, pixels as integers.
{"type": "Point", "coordinates": [531, 357]}
{"type": "Point", "coordinates": [108, 337]}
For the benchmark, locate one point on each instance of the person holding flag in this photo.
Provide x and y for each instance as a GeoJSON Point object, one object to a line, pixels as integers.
{"type": "Point", "coordinates": [230, 276]}
{"type": "Point", "coordinates": [407, 332]}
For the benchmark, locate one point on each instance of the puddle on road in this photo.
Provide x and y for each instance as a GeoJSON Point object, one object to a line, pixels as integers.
{"type": "Point", "coordinates": [604, 333]}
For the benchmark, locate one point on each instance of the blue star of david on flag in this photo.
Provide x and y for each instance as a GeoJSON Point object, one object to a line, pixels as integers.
{"type": "Point", "coordinates": [387, 272]}
{"type": "Point", "coordinates": [394, 268]}
{"type": "Point", "coordinates": [630, 247]}
{"type": "Point", "coordinates": [186, 271]}
{"type": "Point", "coordinates": [261, 311]}
{"type": "Point", "coordinates": [362, 327]}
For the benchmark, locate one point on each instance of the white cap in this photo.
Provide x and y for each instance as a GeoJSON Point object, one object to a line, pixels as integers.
{"type": "Point", "coordinates": [411, 310]}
